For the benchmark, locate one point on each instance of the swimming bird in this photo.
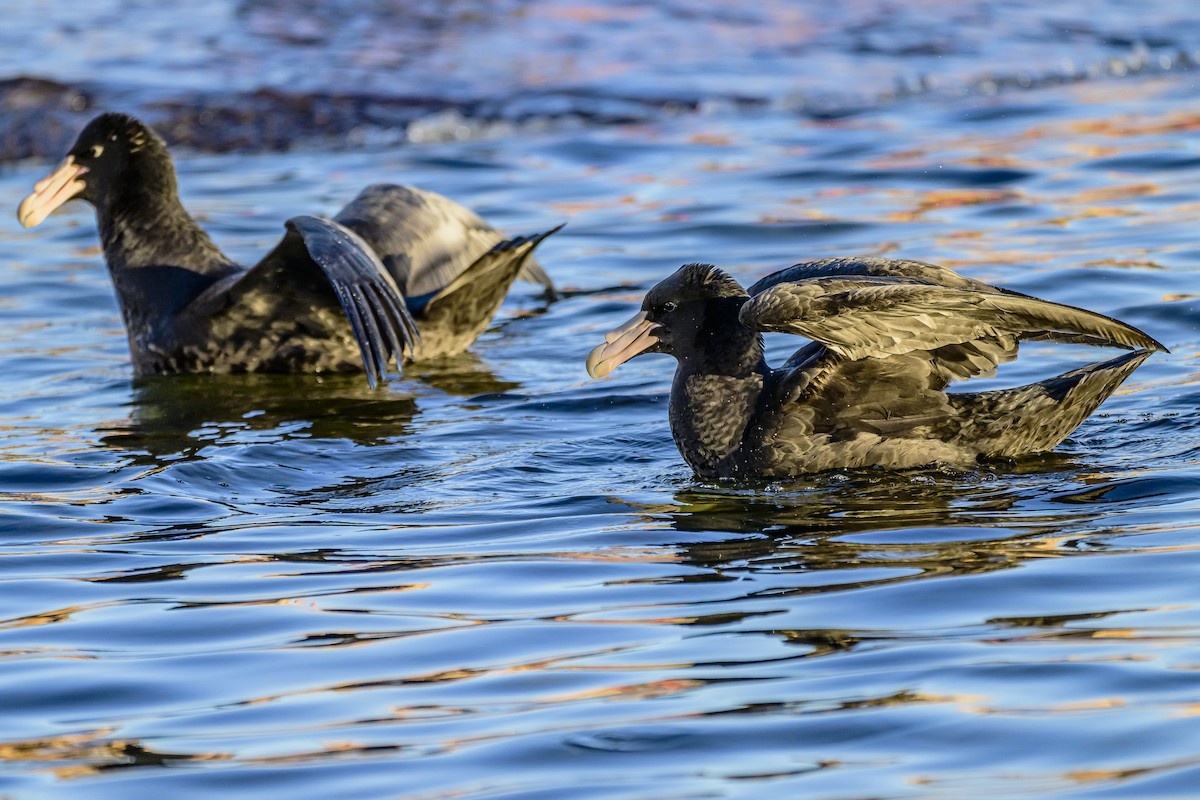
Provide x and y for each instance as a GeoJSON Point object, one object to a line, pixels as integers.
{"type": "Point", "coordinates": [400, 274]}
{"type": "Point", "coordinates": [888, 337]}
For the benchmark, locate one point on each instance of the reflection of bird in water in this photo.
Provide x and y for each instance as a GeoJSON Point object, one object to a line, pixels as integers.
{"type": "Point", "coordinates": [181, 416]}
{"type": "Point", "coordinates": [764, 546]}
{"type": "Point", "coordinates": [870, 390]}
{"type": "Point", "coordinates": [400, 273]}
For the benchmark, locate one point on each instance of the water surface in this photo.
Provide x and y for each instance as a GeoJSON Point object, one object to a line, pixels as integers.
{"type": "Point", "coordinates": [497, 579]}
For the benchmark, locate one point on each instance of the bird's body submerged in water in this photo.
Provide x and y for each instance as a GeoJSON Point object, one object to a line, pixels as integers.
{"type": "Point", "coordinates": [399, 274]}
{"type": "Point", "coordinates": [888, 336]}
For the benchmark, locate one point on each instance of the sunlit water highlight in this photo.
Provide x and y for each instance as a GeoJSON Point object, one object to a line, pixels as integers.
{"type": "Point", "coordinates": [496, 578]}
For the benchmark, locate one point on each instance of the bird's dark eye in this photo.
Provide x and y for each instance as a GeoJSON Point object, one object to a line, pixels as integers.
{"type": "Point", "coordinates": [660, 310]}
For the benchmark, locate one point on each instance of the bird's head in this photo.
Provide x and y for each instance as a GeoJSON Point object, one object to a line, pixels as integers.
{"type": "Point", "coordinates": [111, 154]}
{"type": "Point", "coordinates": [688, 313]}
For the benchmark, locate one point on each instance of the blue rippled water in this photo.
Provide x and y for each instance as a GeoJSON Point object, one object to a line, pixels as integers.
{"type": "Point", "coordinates": [495, 578]}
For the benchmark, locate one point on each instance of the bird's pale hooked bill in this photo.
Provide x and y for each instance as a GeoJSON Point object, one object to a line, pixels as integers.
{"type": "Point", "coordinates": [621, 344]}
{"type": "Point", "coordinates": [51, 192]}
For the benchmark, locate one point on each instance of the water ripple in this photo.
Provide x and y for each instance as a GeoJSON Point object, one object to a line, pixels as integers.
{"type": "Point", "coordinates": [496, 578]}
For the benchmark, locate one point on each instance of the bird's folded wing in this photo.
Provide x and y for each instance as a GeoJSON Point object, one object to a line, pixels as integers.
{"type": "Point", "coordinates": [320, 263]}
{"type": "Point", "coordinates": [424, 239]}
{"type": "Point", "coordinates": [875, 317]}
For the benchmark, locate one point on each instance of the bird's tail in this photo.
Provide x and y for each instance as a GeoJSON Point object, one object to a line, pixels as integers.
{"type": "Point", "coordinates": [532, 272]}
{"type": "Point", "coordinates": [453, 317]}
{"type": "Point", "coordinates": [1036, 417]}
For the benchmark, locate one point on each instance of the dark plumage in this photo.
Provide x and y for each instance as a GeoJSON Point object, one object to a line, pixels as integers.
{"type": "Point", "coordinates": [399, 274]}
{"type": "Point", "coordinates": [870, 390]}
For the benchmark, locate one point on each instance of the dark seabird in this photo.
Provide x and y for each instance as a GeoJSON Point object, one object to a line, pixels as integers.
{"type": "Point", "coordinates": [888, 336]}
{"type": "Point", "coordinates": [400, 274]}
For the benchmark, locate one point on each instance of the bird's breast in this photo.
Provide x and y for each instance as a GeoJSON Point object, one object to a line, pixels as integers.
{"type": "Point", "coordinates": [711, 417]}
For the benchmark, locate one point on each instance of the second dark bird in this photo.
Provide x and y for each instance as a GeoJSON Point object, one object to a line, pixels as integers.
{"type": "Point", "coordinates": [888, 337]}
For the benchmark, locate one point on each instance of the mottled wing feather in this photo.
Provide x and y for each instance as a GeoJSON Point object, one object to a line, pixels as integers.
{"type": "Point", "coordinates": [875, 317]}
{"type": "Point", "coordinates": [424, 239]}
{"type": "Point", "coordinates": [890, 335]}
{"type": "Point", "coordinates": [832, 396]}
{"type": "Point", "coordinates": [320, 263]}
{"type": "Point", "coordinates": [975, 359]}
{"type": "Point", "coordinates": [954, 362]}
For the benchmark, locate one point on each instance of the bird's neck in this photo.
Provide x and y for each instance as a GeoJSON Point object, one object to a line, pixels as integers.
{"type": "Point", "coordinates": [146, 225]}
{"type": "Point", "coordinates": [715, 396]}
{"type": "Point", "coordinates": [159, 258]}
{"type": "Point", "coordinates": [721, 344]}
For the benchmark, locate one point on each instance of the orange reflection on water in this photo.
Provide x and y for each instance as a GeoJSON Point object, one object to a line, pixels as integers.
{"type": "Point", "coordinates": [939, 199]}
{"type": "Point", "coordinates": [84, 755]}
{"type": "Point", "coordinates": [634, 691]}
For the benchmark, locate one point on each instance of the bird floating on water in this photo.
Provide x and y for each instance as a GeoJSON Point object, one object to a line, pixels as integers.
{"type": "Point", "coordinates": [888, 336]}
{"type": "Point", "coordinates": [400, 274]}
